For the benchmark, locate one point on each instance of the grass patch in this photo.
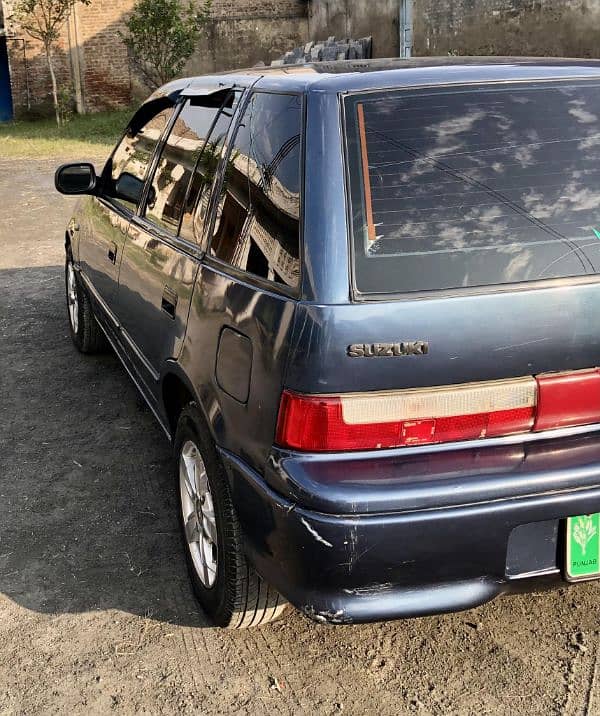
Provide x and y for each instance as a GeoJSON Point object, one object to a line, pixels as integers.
{"type": "Point", "coordinates": [84, 136]}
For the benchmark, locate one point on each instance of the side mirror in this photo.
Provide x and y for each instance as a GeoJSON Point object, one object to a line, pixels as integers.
{"type": "Point", "coordinates": [129, 188]}
{"type": "Point", "coordinates": [74, 179]}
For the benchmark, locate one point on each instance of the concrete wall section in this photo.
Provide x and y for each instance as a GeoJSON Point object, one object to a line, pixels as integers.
{"type": "Point", "coordinates": [569, 28]}
{"type": "Point", "coordinates": [350, 18]}
{"type": "Point", "coordinates": [249, 33]}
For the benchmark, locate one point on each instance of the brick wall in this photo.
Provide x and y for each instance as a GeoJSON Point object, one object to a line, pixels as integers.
{"type": "Point", "coordinates": [30, 77]}
{"type": "Point", "coordinates": [104, 63]}
{"type": "Point", "coordinates": [244, 32]}
{"type": "Point", "coordinates": [89, 48]}
{"type": "Point", "coordinates": [239, 33]}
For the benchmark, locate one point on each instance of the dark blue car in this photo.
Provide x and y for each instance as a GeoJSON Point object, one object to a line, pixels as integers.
{"type": "Point", "coordinates": [362, 300]}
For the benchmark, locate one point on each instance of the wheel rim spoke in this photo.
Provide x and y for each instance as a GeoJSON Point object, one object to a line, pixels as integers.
{"type": "Point", "coordinates": [184, 475]}
{"type": "Point", "coordinates": [192, 528]}
{"type": "Point", "coordinates": [209, 527]}
{"type": "Point", "coordinates": [201, 479]}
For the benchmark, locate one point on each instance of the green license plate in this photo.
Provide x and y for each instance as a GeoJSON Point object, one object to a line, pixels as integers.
{"type": "Point", "coordinates": [583, 547]}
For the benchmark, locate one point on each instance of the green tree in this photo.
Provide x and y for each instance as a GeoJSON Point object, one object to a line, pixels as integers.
{"type": "Point", "coordinates": [43, 20]}
{"type": "Point", "coordinates": [162, 35]}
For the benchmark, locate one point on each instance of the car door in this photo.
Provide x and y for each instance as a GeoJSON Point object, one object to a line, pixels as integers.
{"type": "Point", "coordinates": [107, 216]}
{"type": "Point", "coordinates": [160, 259]}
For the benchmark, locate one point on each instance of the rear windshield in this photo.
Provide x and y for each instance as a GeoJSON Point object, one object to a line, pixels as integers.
{"type": "Point", "coordinates": [474, 186]}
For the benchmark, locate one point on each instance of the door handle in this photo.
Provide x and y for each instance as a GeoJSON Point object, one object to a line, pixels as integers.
{"type": "Point", "coordinates": [112, 252]}
{"type": "Point", "coordinates": [169, 301]}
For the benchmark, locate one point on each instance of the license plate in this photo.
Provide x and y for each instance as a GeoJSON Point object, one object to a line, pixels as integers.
{"type": "Point", "coordinates": [583, 547]}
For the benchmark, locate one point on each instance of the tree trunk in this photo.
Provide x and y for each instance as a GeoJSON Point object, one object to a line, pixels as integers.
{"type": "Point", "coordinates": [48, 49]}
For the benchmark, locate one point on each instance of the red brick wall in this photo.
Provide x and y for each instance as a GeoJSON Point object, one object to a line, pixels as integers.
{"type": "Point", "coordinates": [103, 61]}
{"type": "Point", "coordinates": [29, 69]}
{"type": "Point", "coordinates": [103, 56]}
{"type": "Point", "coordinates": [240, 33]}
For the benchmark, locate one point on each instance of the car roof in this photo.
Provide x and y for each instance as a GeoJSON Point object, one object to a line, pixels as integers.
{"type": "Point", "coordinates": [357, 75]}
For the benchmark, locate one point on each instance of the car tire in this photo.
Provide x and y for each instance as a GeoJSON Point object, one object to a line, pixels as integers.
{"type": "Point", "coordinates": [83, 326]}
{"type": "Point", "coordinates": [227, 587]}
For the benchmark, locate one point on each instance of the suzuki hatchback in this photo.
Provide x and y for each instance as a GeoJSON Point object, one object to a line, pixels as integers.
{"type": "Point", "coordinates": [361, 298]}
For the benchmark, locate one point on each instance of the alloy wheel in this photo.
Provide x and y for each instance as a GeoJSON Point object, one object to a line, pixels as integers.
{"type": "Point", "coordinates": [198, 514]}
{"type": "Point", "coordinates": [72, 299]}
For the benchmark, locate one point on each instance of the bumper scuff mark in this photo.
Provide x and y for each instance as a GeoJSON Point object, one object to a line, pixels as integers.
{"type": "Point", "coordinates": [314, 533]}
{"type": "Point", "coordinates": [326, 616]}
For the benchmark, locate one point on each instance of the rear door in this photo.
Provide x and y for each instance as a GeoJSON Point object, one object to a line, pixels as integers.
{"type": "Point", "coordinates": [161, 257]}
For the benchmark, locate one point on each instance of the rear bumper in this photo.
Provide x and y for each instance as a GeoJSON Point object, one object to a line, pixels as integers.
{"type": "Point", "coordinates": [421, 558]}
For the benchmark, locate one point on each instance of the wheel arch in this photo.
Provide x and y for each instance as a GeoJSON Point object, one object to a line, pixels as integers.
{"type": "Point", "coordinates": [176, 392]}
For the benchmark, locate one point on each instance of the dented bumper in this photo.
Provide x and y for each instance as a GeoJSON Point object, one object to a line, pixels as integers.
{"type": "Point", "coordinates": [488, 530]}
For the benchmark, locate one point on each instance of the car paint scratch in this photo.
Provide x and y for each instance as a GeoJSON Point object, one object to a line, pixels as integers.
{"type": "Point", "coordinates": [521, 345]}
{"type": "Point", "coordinates": [314, 533]}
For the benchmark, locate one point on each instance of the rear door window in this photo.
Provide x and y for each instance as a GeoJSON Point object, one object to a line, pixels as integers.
{"type": "Point", "coordinates": [213, 124]}
{"type": "Point", "coordinates": [257, 227]}
{"type": "Point", "coordinates": [474, 186]}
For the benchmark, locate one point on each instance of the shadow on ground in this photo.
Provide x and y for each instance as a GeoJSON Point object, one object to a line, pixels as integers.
{"type": "Point", "coordinates": [88, 501]}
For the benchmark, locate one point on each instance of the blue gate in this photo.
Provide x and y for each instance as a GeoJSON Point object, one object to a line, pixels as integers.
{"type": "Point", "coordinates": [6, 106]}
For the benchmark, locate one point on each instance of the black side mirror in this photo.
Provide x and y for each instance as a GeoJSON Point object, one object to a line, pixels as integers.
{"type": "Point", "coordinates": [129, 188]}
{"type": "Point", "coordinates": [74, 179]}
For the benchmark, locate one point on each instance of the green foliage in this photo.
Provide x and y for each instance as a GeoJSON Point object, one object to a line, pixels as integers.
{"type": "Point", "coordinates": [89, 135]}
{"type": "Point", "coordinates": [43, 19]}
{"type": "Point", "coordinates": [162, 35]}
{"type": "Point", "coordinates": [66, 104]}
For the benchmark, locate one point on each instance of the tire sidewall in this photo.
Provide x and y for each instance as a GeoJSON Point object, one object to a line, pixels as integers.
{"type": "Point", "coordinates": [215, 600]}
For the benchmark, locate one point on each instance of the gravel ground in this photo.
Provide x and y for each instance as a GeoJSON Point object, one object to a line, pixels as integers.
{"type": "Point", "coordinates": [95, 610]}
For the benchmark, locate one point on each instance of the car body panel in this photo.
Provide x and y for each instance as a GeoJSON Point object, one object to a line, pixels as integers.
{"type": "Point", "coordinates": [470, 338]}
{"type": "Point", "coordinates": [264, 319]}
{"type": "Point", "coordinates": [400, 480]}
{"type": "Point", "coordinates": [348, 568]}
{"type": "Point", "coordinates": [155, 289]}
{"type": "Point", "coordinates": [103, 232]}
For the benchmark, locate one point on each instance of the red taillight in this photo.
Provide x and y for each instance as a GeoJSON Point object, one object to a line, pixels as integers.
{"type": "Point", "coordinates": [411, 417]}
{"type": "Point", "coordinates": [422, 416]}
{"type": "Point", "coordinates": [568, 399]}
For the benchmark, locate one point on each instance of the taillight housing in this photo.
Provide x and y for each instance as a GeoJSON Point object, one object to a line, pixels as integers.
{"type": "Point", "coordinates": [424, 416]}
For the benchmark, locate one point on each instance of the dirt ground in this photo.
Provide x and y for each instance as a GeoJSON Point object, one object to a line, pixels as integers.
{"type": "Point", "coordinates": [95, 610]}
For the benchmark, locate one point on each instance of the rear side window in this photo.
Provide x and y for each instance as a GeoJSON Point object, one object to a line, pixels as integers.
{"type": "Point", "coordinates": [258, 215]}
{"type": "Point", "coordinates": [474, 187]}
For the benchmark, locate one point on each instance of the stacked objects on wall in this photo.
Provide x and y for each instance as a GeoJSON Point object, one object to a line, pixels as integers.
{"type": "Point", "coordinates": [327, 51]}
